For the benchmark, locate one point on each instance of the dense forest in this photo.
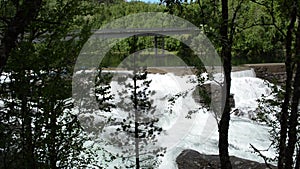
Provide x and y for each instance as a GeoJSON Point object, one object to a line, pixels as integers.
{"type": "Point", "coordinates": [40, 125]}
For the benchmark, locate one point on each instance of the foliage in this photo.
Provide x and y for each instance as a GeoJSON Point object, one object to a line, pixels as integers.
{"type": "Point", "coordinates": [269, 113]}
{"type": "Point", "coordinates": [37, 118]}
{"type": "Point", "coordinates": [132, 132]}
{"type": "Point", "coordinates": [137, 133]}
{"type": "Point", "coordinates": [38, 123]}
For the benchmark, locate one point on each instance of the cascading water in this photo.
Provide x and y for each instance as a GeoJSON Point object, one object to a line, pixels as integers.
{"type": "Point", "coordinates": [243, 131]}
{"type": "Point", "coordinates": [200, 131]}
{"type": "Point", "coordinates": [244, 73]}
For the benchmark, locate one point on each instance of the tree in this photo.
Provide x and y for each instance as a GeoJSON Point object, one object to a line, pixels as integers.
{"type": "Point", "coordinates": [137, 133]}
{"type": "Point", "coordinates": [137, 125]}
{"type": "Point", "coordinates": [288, 90]}
{"type": "Point", "coordinates": [15, 26]}
{"type": "Point", "coordinates": [288, 115]}
{"type": "Point", "coordinates": [294, 114]}
{"type": "Point", "coordinates": [224, 38]}
{"type": "Point", "coordinates": [225, 118]}
{"type": "Point", "coordinates": [40, 129]}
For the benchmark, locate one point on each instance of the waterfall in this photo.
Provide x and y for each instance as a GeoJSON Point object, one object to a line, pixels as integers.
{"type": "Point", "coordinates": [199, 132]}
{"type": "Point", "coordinates": [244, 73]}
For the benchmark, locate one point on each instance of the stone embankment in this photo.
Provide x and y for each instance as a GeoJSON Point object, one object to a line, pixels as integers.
{"type": "Point", "coordinates": [273, 72]}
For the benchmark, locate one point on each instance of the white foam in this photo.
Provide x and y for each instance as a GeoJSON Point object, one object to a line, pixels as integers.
{"type": "Point", "coordinates": [200, 133]}
{"type": "Point", "coordinates": [243, 73]}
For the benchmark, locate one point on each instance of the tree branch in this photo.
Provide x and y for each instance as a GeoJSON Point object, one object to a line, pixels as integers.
{"type": "Point", "coordinates": [253, 25]}
{"type": "Point", "coordinates": [48, 22]}
{"type": "Point", "coordinates": [261, 155]}
{"type": "Point", "coordinates": [271, 12]}
{"type": "Point", "coordinates": [233, 25]}
{"type": "Point", "coordinates": [5, 19]}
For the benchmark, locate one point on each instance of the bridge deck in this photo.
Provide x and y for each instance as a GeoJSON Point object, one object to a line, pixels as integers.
{"type": "Point", "coordinates": [119, 33]}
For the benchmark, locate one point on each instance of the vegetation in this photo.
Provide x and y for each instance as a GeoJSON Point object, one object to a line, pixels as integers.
{"type": "Point", "coordinates": [40, 41]}
{"type": "Point", "coordinates": [38, 126]}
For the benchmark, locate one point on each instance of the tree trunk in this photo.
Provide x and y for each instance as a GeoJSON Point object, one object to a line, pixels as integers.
{"type": "Point", "coordinates": [224, 122]}
{"type": "Point", "coordinates": [28, 147]}
{"type": "Point", "coordinates": [297, 166]}
{"type": "Point", "coordinates": [135, 104]}
{"type": "Point", "coordinates": [287, 95]}
{"type": "Point", "coordinates": [136, 125]}
{"type": "Point", "coordinates": [24, 16]}
{"type": "Point", "coordinates": [53, 132]}
{"type": "Point", "coordinates": [293, 119]}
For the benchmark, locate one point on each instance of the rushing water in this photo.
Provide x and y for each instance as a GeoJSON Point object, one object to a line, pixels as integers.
{"type": "Point", "coordinates": [200, 131]}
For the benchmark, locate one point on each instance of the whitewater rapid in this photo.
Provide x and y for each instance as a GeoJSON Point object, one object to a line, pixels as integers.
{"type": "Point", "coordinates": [200, 131]}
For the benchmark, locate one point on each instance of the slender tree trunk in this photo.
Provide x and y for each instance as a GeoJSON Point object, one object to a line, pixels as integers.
{"type": "Point", "coordinates": [24, 16]}
{"type": "Point", "coordinates": [136, 125]}
{"type": "Point", "coordinates": [287, 95]}
{"type": "Point", "coordinates": [297, 166]}
{"type": "Point", "coordinates": [53, 141]}
{"type": "Point", "coordinates": [224, 122]}
{"type": "Point", "coordinates": [28, 148]}
{"type": "Point", "coordinates": [135, 104]}
{"type": "Point", "coordinates": [293, 119]}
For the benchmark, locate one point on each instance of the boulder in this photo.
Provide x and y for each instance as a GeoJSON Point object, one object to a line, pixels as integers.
{"type": "Point", "coordinates": [210, 95]}
{"type": "Point", "coordinates": [191, 159]}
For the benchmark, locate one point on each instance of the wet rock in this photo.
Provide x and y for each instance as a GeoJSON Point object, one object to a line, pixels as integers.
{"type": "Point", "coordinates": [191, 159]}
{"type": "Point", "coordinates": [251, 114]}
{"type": "Point", "coordinates": [231, 100]}
{"type": "Point", "coordinates": [238, 112]}
{"type": "Point", "coordinates": [210, 95]}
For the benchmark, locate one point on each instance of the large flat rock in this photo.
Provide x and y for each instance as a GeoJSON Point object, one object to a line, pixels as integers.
{"type": "Point", "coordinates": [191, 159]}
